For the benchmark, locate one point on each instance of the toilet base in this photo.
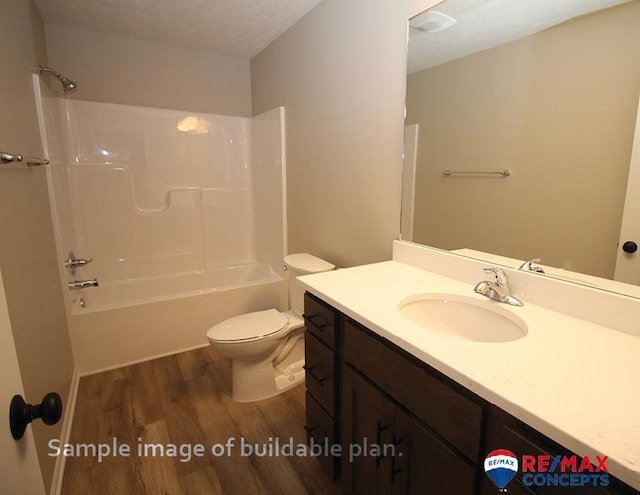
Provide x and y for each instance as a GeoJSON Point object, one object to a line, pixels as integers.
{"type": "Point", "coordinates": [257, 381]}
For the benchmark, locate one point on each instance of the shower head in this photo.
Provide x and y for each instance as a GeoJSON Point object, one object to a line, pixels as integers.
{"type": "Point", "coordinates": [67, 84]}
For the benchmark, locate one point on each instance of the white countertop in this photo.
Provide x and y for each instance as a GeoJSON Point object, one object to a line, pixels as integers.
{"type": "Point", "coordinates": [573, 380]}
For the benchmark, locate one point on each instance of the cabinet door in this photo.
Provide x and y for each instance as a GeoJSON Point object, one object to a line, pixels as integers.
{"type": "Point", "coordinates": [367, 420]}
{"type": "Point", "coordinates": [428, 395]}
{"type": "Point", "coordinates": [423, 464]}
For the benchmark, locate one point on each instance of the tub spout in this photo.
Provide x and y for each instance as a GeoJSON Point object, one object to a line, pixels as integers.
{"type": "Point", "coordinates": [81, 284]}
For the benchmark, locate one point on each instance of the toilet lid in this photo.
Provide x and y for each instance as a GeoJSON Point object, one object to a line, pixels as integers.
{"type": "Point", "coordinates": [248, 326]}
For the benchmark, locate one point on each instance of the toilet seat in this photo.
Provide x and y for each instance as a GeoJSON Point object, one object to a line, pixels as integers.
{"type": "Point", "coordinates": [248, 327]}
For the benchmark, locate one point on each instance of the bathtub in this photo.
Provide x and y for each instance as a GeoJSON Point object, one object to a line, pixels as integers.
{"type": "Point", "coordinates": [131, 292]}
{"type": "Point", "coordinates": [125, 322]}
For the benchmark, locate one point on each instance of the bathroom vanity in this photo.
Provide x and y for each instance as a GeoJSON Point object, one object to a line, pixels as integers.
{"type": "Point", "coordinates": [416, 410]}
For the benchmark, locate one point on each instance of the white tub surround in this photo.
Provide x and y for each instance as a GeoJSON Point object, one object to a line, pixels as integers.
{"type": "Point", "coordinates": [573, 377]}
{"type": "Point", "coordinates": [152, 194]}
{"type": "Point", "coordinates": [169, 206]}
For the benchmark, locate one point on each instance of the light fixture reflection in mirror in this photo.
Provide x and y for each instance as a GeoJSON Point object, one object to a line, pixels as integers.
{"type": "Point", "coordinates": [557, 108]}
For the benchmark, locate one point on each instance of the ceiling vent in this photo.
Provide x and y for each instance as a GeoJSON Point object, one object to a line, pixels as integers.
{"type": "Point", "coordinates": [432, 21]}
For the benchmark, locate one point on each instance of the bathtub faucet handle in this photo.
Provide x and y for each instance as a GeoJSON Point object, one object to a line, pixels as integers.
{"type": "Point", "coordinates": [71, 263]}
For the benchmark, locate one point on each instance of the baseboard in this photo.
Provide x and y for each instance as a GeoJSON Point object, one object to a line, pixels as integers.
{"type": "Point", "coordinates": [65, 434]}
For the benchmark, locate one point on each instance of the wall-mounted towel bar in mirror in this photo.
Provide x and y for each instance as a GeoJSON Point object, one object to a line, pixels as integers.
{"type": "Point", "coordinates": [6, 157]}
{"type": "Point", "coordinates": [505, 172]}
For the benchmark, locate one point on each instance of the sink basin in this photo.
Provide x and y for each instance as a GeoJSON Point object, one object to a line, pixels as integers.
{"type": "Point", "coordinates": [464, 317]}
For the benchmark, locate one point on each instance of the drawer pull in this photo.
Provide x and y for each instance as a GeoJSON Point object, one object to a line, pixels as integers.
{"type": "Point", "coordinates": [309, 370]}
{"type": "Point", "coordinates": [379, 429]}
{"type": "Point", "coordinates": [395, 471]}
{"type": "Point", "coordinates": [309, 430]}
{"type": "Point", "coordinates": [318, 326]}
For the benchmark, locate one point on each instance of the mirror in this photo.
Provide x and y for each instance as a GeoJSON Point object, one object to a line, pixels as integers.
{"type": "Point", "coordinates": [546, 90]}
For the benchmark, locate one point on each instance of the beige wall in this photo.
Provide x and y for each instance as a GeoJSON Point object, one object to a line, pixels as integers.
{"type": "Point", "coordinates": [343, 131]}
{"type": "Point", "coordinates": [557, 108]}
{"type": "Point", "coordinates": [339, 72]}
{"type": "Point", "coordinates": [27, 251]}
{"type": "Point", "coordinates": [122, 70]}
{"type": "Point", "coordinates": [418, 6]}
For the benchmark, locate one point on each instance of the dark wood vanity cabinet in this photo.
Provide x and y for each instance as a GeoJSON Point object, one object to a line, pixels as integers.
{"type": "Point", "coordinates": [412, 433]}
{"type": "Point", "coordinates": [403, 427]}
{"type": "Point", "coordinates": [322, 378]}
{"type": "Point", "coordinates": [389, 451]}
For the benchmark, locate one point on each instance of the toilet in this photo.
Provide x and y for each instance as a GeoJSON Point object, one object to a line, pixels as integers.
{"type": "Point", "coordinates": [267, 347]}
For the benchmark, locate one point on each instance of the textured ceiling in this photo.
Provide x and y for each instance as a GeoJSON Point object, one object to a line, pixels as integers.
{"type": "Point", "coordinates": [490, 23]}
{"type": "Point", "coordinates": [237, 28]}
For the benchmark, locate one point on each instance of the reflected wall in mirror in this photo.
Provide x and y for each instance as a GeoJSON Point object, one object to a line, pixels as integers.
{"type": "Point", "coordinates": [557, 108]}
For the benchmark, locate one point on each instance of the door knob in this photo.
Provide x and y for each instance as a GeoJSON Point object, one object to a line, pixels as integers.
{"type": "Point", "coordinates": [21, 413]}
{"type": "Point", "coordinates": [629, 247]}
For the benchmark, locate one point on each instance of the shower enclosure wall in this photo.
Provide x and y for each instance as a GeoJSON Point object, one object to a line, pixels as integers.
{"type": "Point", "coordinates": [180, 213]}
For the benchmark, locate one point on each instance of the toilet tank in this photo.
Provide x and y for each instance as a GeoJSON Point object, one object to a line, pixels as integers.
{"type": "Point", "coordinates": [301, 264]}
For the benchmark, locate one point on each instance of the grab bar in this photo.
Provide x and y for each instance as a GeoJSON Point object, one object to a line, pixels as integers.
{"type": "Point", "coordinates": [6, 157]}
{"type": "Point", "coordinates": [505, 172]}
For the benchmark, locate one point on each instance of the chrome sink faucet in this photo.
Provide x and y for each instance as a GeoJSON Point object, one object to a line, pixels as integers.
{"type": "Point", "coordinates": [497, 290]}
{"type": "Point", "coordinates": [528, 266]}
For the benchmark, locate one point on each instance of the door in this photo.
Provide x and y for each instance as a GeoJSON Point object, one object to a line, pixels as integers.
{"type": "Point", "coordinates": [628, 259]}
{"type": "Point", "coordinates": [19, 467]}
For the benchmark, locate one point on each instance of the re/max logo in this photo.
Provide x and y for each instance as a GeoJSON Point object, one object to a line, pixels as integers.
{"type": "Point", "coordinates": [563, 464]}
{"type": "Point", "coordinates": [566, 471]}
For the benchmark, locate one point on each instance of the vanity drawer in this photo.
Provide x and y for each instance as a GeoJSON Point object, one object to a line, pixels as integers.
{"type": "Point", "coordinates": [454, 416]}
{"type": "Point", "coordinates": [320, 367]}
{"type": "Point", "coordinates": [320, 319]}
{"type": "Point", "coordinates": [323, 429]}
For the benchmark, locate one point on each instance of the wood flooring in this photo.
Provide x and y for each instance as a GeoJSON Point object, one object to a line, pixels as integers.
{"type": "Point", "coordinates": [184, 400]}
